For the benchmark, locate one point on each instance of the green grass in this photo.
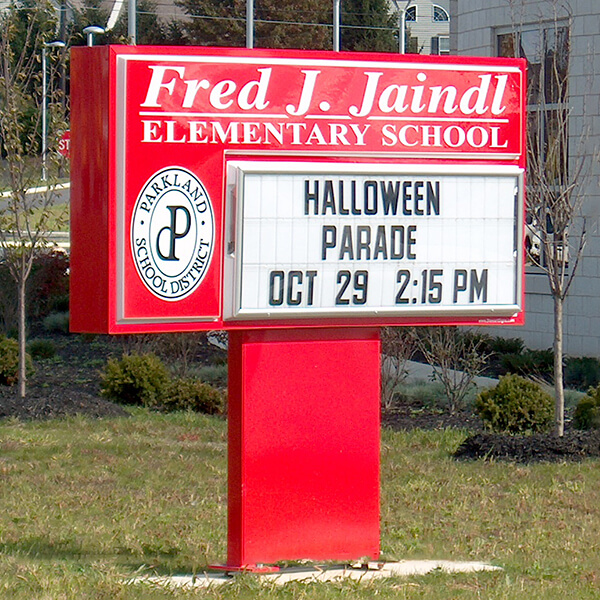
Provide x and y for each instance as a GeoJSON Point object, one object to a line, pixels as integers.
{"type": "Point", "coordinates": [86, 504]}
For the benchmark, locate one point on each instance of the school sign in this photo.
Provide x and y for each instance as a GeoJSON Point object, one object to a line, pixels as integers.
{"type": "Point", "coordinates": [300, 200]}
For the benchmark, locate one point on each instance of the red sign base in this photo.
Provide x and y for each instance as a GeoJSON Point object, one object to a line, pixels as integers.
{"type": "Point", "coordinates": [303, 446]}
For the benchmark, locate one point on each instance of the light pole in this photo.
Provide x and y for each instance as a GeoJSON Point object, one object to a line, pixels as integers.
{"type": "Point", "coordinates": [90, 30]}
{"type": "Point", "coordinates": [55, 44]}
{"type": "Point", "coordinates": [336, 25]}
{"type": "Point", "coordinates": [402, 25]}
{"type": "Point", "coordinates": [132, 22]}
{"type": "Point", "coordinates": [249, 23]}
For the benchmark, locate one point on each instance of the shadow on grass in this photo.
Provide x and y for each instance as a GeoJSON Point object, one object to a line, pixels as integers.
{"type": "Point", "coordinates": [166, 563]}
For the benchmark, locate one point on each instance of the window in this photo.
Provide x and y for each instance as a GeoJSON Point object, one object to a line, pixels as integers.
{"type": "Point", "coordinates": [547, 52]}
{"type": "Point", "coordinates": [440, 44]}
{"type": "Point", "coordinates": [411, 14]}
{"type": "Point", "coordinates": [440, 15]}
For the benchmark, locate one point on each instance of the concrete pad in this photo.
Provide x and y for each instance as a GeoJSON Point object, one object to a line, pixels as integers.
{"type": "Point", "coordinates": [315, 574]}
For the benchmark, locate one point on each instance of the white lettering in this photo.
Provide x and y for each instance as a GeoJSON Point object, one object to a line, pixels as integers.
{"type": "Point", "coordinates": [150, 129]}
{"type": "Point", "coordinates": [156, 84]}
{"type": "Point", "coordinates": [497, 108]}
{"type": "Point", "coordinates": [368, 97]}
{"type": "Point", "coordinates": [222, 90]}
{"type": "Point", "coordinates": [398, 105]}
{"type": "Point", "coordinates": [310, 79]}
{"type": "Point", "coordinates": [259, 102]}
{"type": "Point", "coordinates": [436, 97]}
{"type": "Point", "coordinates": [360, 135]}
{"type": "Point", "coordinates": [402, 135]}
{"type": "Point", "coordinates": [481, 92]}
{"type": "Point", "coordinates": [495, 138]}
{"type": "Point", "coordinates": [192, 88]}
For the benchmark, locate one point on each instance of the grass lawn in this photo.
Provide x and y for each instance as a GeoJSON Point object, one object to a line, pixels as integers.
{"type": "Point", "coordinates": [84, 504]}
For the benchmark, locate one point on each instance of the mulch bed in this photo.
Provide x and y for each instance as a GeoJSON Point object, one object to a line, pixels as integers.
{"type": "Point", "coordinates": [546, 447]}
{"type": "Point", "coordinates": [539, 447]}
{"type": "Point", "coordinates": [56, 405]}
{"type": "Point", "coordinates": [66, 386]}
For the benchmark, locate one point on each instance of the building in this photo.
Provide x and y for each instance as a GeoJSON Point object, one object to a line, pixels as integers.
{"type": "Point", "coordinates": [541, 30]}
{"type": "Point", "coordinates": [427, 26]}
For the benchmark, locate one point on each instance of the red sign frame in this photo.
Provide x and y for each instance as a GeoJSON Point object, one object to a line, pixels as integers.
{"type": "Point", "coordinates": [155, 228]}
{"type": "Point", "coordinates": [150, 110]}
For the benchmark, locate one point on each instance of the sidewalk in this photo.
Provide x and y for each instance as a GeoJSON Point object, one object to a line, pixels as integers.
{"type": "Point", "coordinates": [423, 372]}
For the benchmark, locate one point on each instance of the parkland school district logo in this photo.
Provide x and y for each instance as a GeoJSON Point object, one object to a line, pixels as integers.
{"type": "Point", "coordinates": [172, 233]}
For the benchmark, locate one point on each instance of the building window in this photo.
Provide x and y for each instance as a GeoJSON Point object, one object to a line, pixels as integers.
{"type": "Point", "coordinates": [440, 15]}
{"type": "Point", "coordinates": [547, 52]}
{"type": "Point", "coordinates": [411, 14]}
{"type": "Point", "coordinates": [440, 44]}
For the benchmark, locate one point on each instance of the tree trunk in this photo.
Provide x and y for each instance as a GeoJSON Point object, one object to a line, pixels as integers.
{"type": "Point", "coordinates": [559, 391]}
{"type": "Point", "coordinates": [22, 340]}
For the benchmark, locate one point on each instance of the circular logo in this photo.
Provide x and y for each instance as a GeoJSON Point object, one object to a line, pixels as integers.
{"type": "Point", "coordinates": [172, 233]}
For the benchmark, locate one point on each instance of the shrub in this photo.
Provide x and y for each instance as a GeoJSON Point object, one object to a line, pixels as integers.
{"type": "Point", "coordinates": [515, 405]}
{"type": "Point", "coordinates": [47, 288]}
{"type": "Point", "coordinates": [215, 375]}
{"type": "Point", "coordinates": [500, 345]}
{"type": "Point", "coordinates": [188, 393]}
{"type": "Point", "coordinates": [530, 362]}
{"type": "Point", "coordinates": [41, 349]}
{"type": "Point", "coordinates": [9, 361]}
{"type": "Point", "coordinates": [587, 411]}
{"type": "Point", "coordinates": [140, 379]}
{"type": "Point", "coordinates": [582, 373]}
{"type": "Point", "coordinates": [48, 284]}
{"type": "Point", "coordinates": [57, 322]}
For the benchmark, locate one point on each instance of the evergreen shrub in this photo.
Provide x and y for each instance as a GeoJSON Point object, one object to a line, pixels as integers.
{"type": "Point", "coordinates": [41, 349]}
{"type": "Point", "coordinates": [189, 393]}
{"type": "Point", "coordinates": [587, 411]}
{"type": "Point", "coordinates": [138, 379]}
{"type": "Point", "coordinates": [57, 322]}
{"type": "Point", "coordinates": [9, 361]}
{"type": "Point", "coordinates": [582, 373]}
{"type": "Point", "coordinates": [515, 405]}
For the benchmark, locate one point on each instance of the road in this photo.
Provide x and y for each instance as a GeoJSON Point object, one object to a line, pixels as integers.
{"type": "Point", "coordinates": [63, 194]}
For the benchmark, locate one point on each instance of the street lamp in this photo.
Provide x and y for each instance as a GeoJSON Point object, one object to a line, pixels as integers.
{"type": "Point", "coordinates": [90, 30]}
{"type": "Point", "coordinates": [336, 25]}
{"type": "Point", "coordinates": [55, 44]}
{"type": "Point", "coordinates": [402, 25]}
{"type": "Point", "coordinates": [249, 23]}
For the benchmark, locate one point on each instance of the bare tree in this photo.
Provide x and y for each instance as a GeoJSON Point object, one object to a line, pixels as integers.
{"type": "Point", "coordinates": [398, 346]}
{"type": "Point", "coordinates": [558, 165]}
{"type": "Point", "coordinates": [24, 215]}
{"type": "Point", "coordinates": [456, 358]}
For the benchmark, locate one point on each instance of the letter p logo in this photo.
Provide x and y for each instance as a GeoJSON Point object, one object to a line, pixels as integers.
{"type": "Point", "coordinates": [173, 234]}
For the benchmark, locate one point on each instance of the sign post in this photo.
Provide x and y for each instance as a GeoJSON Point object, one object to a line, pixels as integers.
{"type": "Point", "coordinates": [299, 200]}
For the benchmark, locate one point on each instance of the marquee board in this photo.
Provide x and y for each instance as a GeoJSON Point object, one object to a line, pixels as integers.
{"type": "Point", "coordinates": [236, 188]}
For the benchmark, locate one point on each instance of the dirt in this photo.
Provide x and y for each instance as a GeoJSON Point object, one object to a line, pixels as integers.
{"type": "Point", "coordinates": [69, 384]}
{"type": "Point", "coordinates": [66, 384]}
{"type": "Point", "coordinates": [408, 414]}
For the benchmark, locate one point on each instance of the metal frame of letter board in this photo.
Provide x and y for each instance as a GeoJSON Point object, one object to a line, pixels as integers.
{"type": "Point", "coordinates": [234, 276]}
